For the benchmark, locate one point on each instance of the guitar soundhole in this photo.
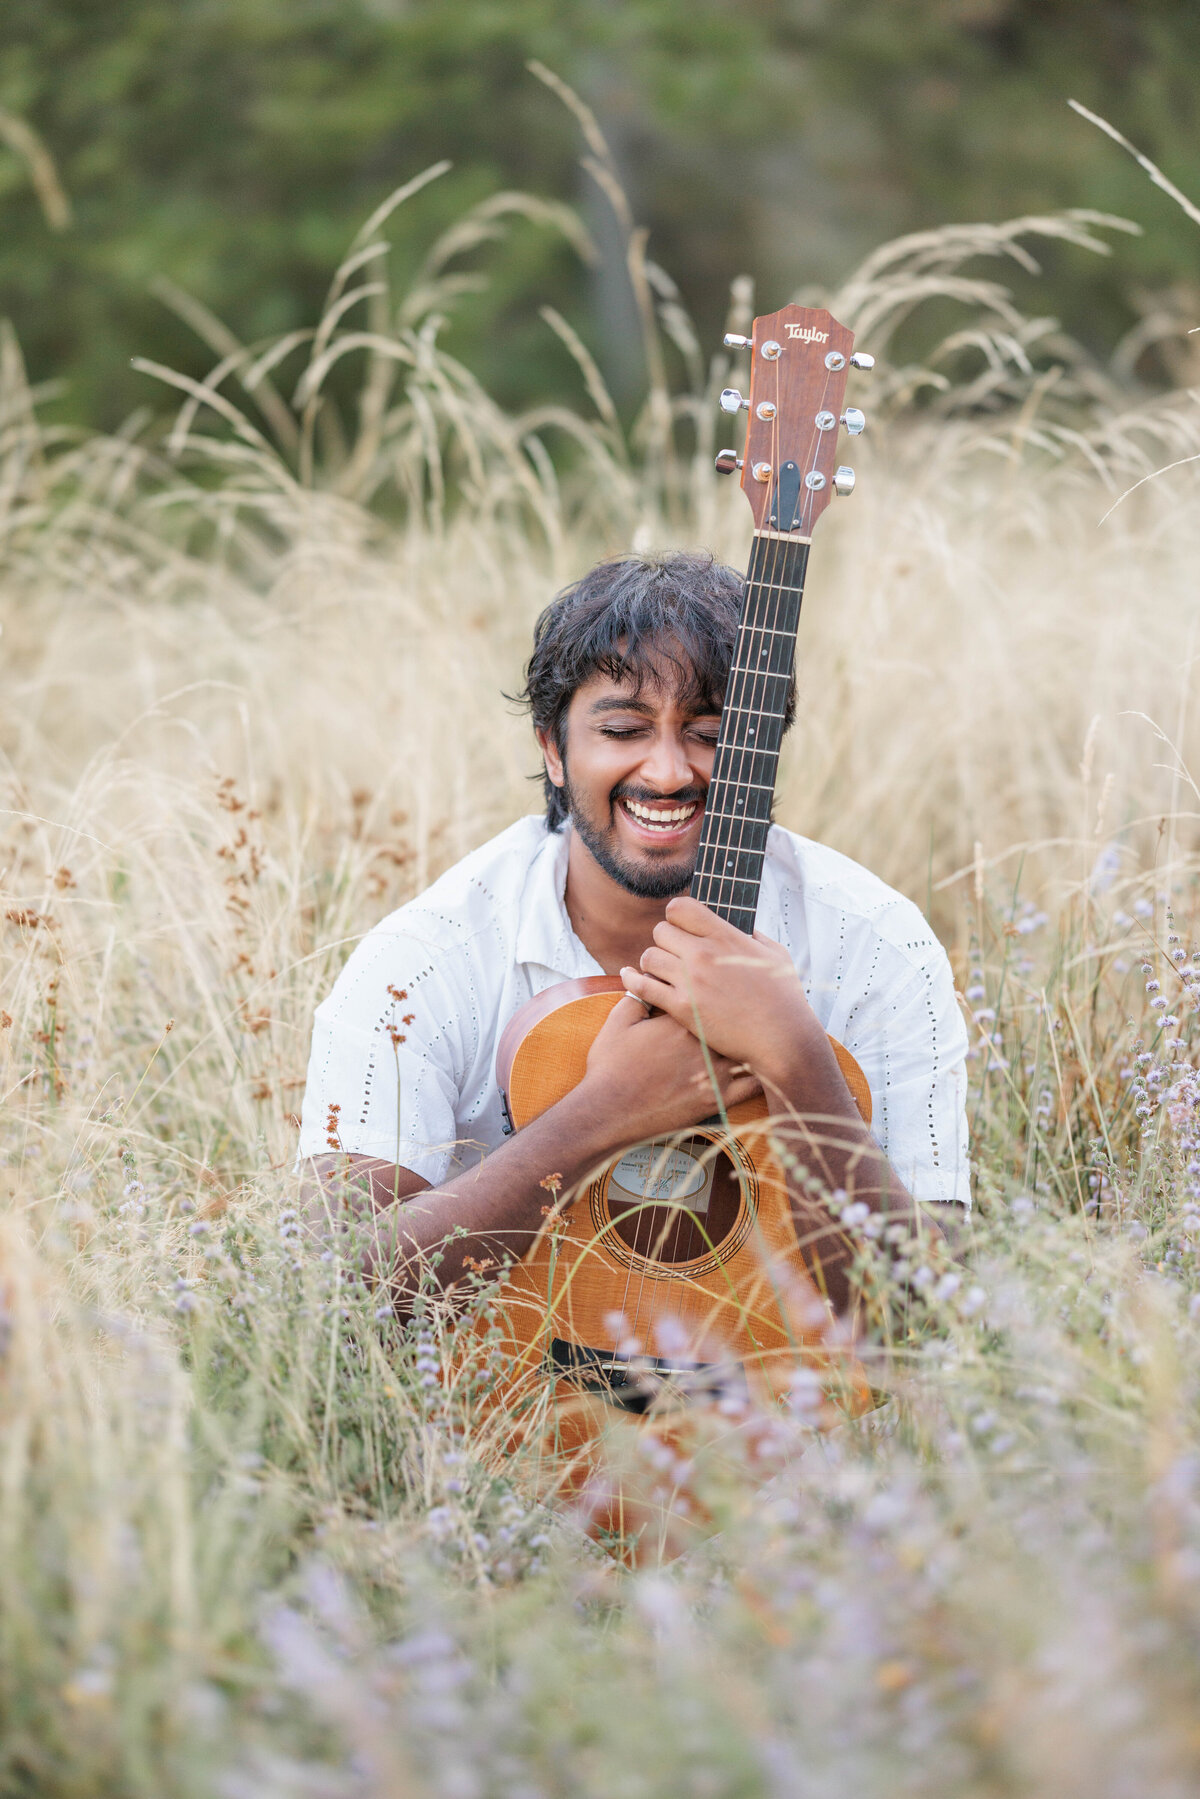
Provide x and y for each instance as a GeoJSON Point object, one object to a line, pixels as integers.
{"type": "Point", "coordinates": [674, 1202]}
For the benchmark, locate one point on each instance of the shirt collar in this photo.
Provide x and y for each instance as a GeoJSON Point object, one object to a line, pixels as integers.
{"type": "Point", "coordinates": [544, 933]}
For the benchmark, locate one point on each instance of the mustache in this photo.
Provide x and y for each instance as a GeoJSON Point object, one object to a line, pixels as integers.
{"type": "Point", "coordinates": [684, 797]}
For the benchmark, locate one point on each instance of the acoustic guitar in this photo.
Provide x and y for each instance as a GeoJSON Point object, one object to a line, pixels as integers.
{"type": "Point", "coordinates": [679, 1264]}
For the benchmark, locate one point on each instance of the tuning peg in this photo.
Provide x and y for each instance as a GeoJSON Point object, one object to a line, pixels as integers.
{"type": "Point", "coordinates": [734, 341]}
{"type": "Point", "coordinates": [854, 420]}
{"type": "Point", "coordinates": [860, 360]}
{"type": "Point", "coordinates": [843, 482]}
{"type": "Point", "coordinates": [732, 401]}
{"type": "Point", "coordinates": [727, 461]}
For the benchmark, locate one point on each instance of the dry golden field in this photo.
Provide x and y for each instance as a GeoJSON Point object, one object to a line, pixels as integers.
{"type": "Point", "coordinates": [252, 676]}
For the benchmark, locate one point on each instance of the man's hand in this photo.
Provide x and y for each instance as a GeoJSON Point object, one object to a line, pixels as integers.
{"type": "Point", "coordinates": [741, 994]}
{"type": "Point", "coordinates": [646, 1076]}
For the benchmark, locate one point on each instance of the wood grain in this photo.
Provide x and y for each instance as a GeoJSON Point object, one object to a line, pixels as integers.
{"type": "Point", "coordinates": [751, 1301]}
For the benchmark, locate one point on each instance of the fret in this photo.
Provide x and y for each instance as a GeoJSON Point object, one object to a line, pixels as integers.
{"type": "Point", "coordinates": [742, 862]}
{"type": "Point", "coordinates": [721, 879]}
{"type": "Point", "coordinates": [734, 889]}
{"type": "Point", "coordinates": [748, 818]}
{"type": "Point", "coordinates": [765, 734]}
{"type": "Point", "coordinates": [723, 876]}
{"type": "Point", "coordinates": [737, 818]}
{"type": "Point", "coordinates": [743, 814]}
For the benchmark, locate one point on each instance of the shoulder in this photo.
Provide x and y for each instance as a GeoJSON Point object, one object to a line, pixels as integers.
{"type": "Point", "coordinates": [834, 892]}
{"type": "Point", "coordinates": [483, 889]}
{"type": "Point", "coordinates": [462, 923]}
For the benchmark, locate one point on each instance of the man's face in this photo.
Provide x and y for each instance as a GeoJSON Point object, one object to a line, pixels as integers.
{"type": "Point", "coordinates": [634, 774]}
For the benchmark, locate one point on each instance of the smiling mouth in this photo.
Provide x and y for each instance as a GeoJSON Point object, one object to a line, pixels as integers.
{"type": "Point", "coordinates": [665, 819]}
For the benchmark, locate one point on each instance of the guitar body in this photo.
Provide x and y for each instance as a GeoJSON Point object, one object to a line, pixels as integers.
{"type": "Point", "coordinates": [679, 1264]}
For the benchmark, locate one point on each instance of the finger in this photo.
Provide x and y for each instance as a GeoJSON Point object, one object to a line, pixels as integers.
{"type": "Point", "coordinates": [625, 1014]}
{"type": "Point", "coordinates": [778, 957]}
{"type": "Point", "coordinates": [742, 1088]}
{"type": "Point", "coordinates": [672, 937]}
{"type": "Point", "coordinates": [694, 918]}
{"type": "Point", "coordinates": [727, 1090]}
{"type": "Point", "coordinates": [653, 992]}
{"type": "Point", "coordinates": [664, 967]}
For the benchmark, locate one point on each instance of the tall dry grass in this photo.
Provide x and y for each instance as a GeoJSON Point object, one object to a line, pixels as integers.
{"type": "Point", "coordinates": [253, 664]}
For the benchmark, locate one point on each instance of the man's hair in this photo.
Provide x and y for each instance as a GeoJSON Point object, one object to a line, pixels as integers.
{"type": "Point", "coordinates": [627, 618]}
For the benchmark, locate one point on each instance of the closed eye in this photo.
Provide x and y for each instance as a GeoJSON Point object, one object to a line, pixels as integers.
{"type": "Point", "coordinates": [620, 732]}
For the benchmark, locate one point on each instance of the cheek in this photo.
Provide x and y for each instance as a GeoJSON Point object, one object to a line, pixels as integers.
{"type": "Point", "coordinates": [594, 771]}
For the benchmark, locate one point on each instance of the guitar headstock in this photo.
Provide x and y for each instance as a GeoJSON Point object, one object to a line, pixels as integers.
{"type": "Point", "coordinates": [799, 361]}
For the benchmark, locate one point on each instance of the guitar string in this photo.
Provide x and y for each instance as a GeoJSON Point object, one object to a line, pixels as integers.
{"type": "Point", "coordinates": [742, 760]}
{"type": "Point", "coordinates": [746, 774]}
{"type": "Point", "coordinates": [783, 566]}
{"type": "Point", "coordinates": [746, 770]}
{"type": "Point", "coordinates": [779, 561]}
{"type": "Point", "coordinates": [770, 559]}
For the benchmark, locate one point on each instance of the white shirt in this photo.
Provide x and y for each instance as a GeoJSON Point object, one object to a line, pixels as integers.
{"type": "Point", "coordinates": [494, 930]}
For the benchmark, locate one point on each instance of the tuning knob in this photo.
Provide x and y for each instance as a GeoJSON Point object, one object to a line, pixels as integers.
{"type": "Point", "coordinates": [854, 420]}
{"type": "Point", "coordinates": [843, 482]}
{"type": "Point", "coordinates": [860, 360]}
{"type": "Point", "coordinates": [732, 401]}
{"type": "Point", "coordinates": [727, 461]}
{"type": "Point", "coordinates": [734, 341]}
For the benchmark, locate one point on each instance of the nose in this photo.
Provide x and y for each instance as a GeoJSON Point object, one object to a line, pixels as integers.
{"type": "Point", "coordinates": [666, 767]}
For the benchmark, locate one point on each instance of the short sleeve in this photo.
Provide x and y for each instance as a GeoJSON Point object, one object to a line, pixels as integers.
{"type": "Point", "coordinates": [395, 1100]}
{"type": "Point", "coordinates": [913, 1050]}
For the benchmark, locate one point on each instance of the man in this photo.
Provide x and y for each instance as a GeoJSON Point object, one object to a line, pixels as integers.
{"type": "Point", "coordinates": [625, 688]}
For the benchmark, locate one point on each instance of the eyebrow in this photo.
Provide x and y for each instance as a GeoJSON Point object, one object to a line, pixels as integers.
{"type": "Point", "coordinates": [617, 702]}
{"type": "Point", "coordinates": [627, 703]}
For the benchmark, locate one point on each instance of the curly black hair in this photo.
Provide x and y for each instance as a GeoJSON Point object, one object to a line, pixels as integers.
{"type": "Point", "coordinates": [626, 618]}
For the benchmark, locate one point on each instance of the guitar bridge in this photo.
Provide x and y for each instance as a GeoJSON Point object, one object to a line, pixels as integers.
{"type": "Point", "coordinates": [633, 1383]}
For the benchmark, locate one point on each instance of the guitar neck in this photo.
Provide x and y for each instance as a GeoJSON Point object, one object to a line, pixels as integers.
{"type": "Point", "coordinates": [737, 815]}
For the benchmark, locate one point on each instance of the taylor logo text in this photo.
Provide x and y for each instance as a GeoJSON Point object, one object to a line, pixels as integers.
{"type": "Point", "coordinates": [807, 334]}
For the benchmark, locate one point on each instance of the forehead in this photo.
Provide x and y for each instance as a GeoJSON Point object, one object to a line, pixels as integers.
{"type": "Point", "coordinates": [652, 692]}
{"type": "Point", "coordinates": [662, 680]}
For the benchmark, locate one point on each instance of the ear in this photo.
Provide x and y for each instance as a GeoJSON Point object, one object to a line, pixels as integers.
{"type": "Point", "coordinates": [551, 757]}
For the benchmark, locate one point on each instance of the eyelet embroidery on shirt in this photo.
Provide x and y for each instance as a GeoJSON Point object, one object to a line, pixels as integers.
{"type": "Point", "coordinates": [462, 937]}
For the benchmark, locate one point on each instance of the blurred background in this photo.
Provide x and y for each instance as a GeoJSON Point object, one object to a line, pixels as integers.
{"type": "Point", "coordinates": [234, 147]}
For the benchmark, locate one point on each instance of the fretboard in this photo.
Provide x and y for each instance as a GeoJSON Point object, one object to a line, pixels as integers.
{"type": "Point", "coordinates": [737, 813]}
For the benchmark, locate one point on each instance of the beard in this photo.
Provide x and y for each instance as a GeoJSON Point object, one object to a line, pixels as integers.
{"type": "Point", "coordinates": [649, 879]}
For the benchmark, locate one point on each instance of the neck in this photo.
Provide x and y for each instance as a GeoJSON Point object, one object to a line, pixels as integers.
{"type": "Point", "coordinates": [737, 808]}
{"type": "Point", "coordinates": [612, 924]}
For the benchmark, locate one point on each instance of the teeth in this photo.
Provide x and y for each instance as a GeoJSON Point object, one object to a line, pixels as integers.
{"type": "Point", "coordinates": [660, 817]}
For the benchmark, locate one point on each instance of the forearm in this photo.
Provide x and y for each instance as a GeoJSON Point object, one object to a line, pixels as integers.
{"type": "Point", "coordinates": [831, 1152]}
{"type": "Point", "coordinates": [481, 1218]}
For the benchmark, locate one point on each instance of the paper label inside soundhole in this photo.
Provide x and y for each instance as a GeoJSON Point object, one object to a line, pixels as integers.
{"type": "Point", "coordinates": [663, 1173]}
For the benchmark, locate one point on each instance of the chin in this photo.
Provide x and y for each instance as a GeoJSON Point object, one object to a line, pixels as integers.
{"type": "Point", "coordinates": [647, 877]}
{"type": "Point", "coordinates": [645, 873]}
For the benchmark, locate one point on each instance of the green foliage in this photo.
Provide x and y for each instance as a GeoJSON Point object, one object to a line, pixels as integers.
{"type": "Point", "coordinates": [234, 146]}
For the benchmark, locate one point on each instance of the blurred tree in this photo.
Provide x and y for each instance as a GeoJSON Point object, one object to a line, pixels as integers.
{"type": "Point", "coordinates": [234, 146]}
